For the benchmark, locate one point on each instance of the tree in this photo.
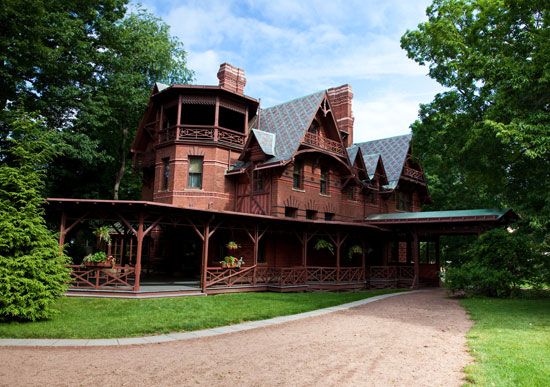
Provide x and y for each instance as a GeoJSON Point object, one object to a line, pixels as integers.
{"type": "Point", "coordinates": [486, 140]}
{"type": "Point", "coordinates": [86, 68]}
{"type": "Point", "coordinates": [32, 270]}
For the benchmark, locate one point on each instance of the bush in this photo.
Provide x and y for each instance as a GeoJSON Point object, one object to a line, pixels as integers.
{"type": "Point", "coordinates": [497, 264]}
{"type": "Point", "coordinates": [32, 272]}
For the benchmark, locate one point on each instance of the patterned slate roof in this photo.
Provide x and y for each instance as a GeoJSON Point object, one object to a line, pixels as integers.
{"type": "Point", "coordinates": [370, 162]}
{"type": "Point", "coordinates": [352, 153]}
{"type": "Point", "coordinates": [266, 141]}
{"type": "Point", "coordinates": [288, 122]}
{"type": "Point", "coordinates": [393, 151]}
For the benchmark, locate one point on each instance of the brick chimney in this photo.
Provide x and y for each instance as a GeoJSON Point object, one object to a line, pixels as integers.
{"type": "Point", "coordinates": [232, 78]}
{"type": "Point", "coordinates": [340, 99]}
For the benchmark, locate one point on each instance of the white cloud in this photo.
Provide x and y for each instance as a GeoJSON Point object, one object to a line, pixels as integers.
{"type": "Point", "coordinates": [291, 48]}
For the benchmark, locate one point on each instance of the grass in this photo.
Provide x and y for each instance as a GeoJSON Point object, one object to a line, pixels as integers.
{"type": "Point", "coordinates": [108, 318]}
{"type": "Point", "coordinates": [510, 341]}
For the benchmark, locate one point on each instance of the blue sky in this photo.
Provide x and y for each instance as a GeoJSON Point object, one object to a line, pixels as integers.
{"type": "Point", "coordinates": [293, 48]}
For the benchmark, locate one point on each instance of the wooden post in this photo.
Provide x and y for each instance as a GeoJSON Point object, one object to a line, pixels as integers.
{"type": "Point", "coordinates": [338, 243]}
{"type": "Point", "coordinates": [437, 251]}
{"type": "Point", "coordinates": [204, 261]}
{"type": "Point", "coordinates": [415, 257]}
{"type": "Point", "coordinates": [363, 259]}
{"type": "Point", "coordinates": [256, 243]}
{"type": "Point", "coordinates": [305, 241]}
{"type": "Point", "coordinates": [62, 232]}
{"type": "Point", "coordinates": [178, 122]}
{"type": "Point", "coordinates": [138, 252]}
{"type": "Point", "coordinates": [216, 118]}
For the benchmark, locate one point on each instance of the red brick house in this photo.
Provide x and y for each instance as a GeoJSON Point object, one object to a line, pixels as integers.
{"type": "Point", "coordinates": [217, 167]}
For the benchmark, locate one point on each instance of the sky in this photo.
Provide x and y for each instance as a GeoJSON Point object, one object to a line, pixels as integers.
{"type": "Point", "coordinates": [292, 48]}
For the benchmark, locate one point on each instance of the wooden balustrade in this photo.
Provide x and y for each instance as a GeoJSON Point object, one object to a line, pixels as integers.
{"type": "Point", "coordinates": [413, 174]}
{"type": "Point", "coordinates": [324, 143]}
{"type": "Point", "coordinates": [117, 277]}
{"type": "Point", "coordinates": [391, 276]}
{"type": "Point", "coordinates": [202, 133]}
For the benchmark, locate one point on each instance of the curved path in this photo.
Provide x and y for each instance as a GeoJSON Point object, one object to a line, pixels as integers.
{"type": "Point", "coordinates": [414, 339]}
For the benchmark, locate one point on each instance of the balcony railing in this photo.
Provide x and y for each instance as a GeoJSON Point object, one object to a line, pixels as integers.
{"type": "Point", "coordinates": [202, 133]}
{"type": "Point", "coordinates": [413, 174]}
{"type": "Point", "coordinates": [324, 143]}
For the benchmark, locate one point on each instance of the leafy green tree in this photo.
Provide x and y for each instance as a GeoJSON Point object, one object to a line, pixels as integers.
{"type": "Point", "coordinates": [486, 140]}
{"type": "Point", "coordinates": [32, 271]}
{"type": "Point", "coordinates": [87, 69]}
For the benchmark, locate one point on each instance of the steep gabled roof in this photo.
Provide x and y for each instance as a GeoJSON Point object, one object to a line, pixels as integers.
{"type": "Point", "coordinates": [288, 122]}
{"type": "Point", "coordinates": [352, 153]}
{"type": "Point", "coordinates": [266, 141]}
{"type": "Point", "coordinates": [394, 153]}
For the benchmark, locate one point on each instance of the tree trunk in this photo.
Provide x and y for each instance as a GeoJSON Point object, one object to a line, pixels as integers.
{"type": "Point", "coordinates": [122, 168]}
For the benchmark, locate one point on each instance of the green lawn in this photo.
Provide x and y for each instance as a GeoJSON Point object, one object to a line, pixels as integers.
{"type": "Point", "coordinates": [107, 318]}
{"type": "Point", "coordinates": [510, 341]}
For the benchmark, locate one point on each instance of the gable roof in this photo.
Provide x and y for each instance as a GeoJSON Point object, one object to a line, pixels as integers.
{"type": "Point", "coordinates": [266, 141]}
{"type": "Point", "coordinates": [288, 122]}
{"type": "Point", "coordinates": [394, 153]}
{"type": "Point", "coordinates": [352, 153]}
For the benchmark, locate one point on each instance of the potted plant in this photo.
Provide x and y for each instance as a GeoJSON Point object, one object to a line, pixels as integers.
{"type": "Point", "coordinates": [324, 244]}
{"type": "Point", "coordinates": [231, 262]}
{"type": "Point", "coordinates": [232, 246]}
{"type": "Point", "coordinates": [98, 259]}
{"type": "Point", "coordinates": [355, 249]}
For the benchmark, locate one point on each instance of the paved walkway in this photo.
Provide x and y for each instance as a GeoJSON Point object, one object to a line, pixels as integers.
{"type": "Point", "coordinates": [413, 339]}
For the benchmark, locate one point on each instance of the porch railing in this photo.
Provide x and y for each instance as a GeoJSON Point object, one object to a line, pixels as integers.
{"type": "Point", "coordinates": [202, 133]}
{"type": "Point", "coordinates": [282, 276]}
{"type": "Point", "coordinates": [118, 277]}
{"type": "Point", "coordinates": [324, 143]}
{"type": "Point", "coordinates": [390, 276]}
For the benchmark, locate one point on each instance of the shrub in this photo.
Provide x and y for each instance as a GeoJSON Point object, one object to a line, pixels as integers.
{"type": "Point", "coordinates": [497, 264]}
{"type": "Point", "coordinates": [32, 272]}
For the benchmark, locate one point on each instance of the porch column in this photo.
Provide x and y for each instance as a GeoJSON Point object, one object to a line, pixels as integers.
{"type": "Point", "coordinates": [338, 243]}
{"type": "Point", "coordinates": [363, 259]}
{"type": "Point", "coordinates": [415, 257]}
{"type": "Point", "coordinates": [305, 241]}
{"type": "Point", "coordinates": [62, 232]}
{"type": "Point", "coordinates": [139, 236]}
{"type": "Point", "coordinates": [437, 251]}
{"type": "Point", "coordinates": [204, 261]}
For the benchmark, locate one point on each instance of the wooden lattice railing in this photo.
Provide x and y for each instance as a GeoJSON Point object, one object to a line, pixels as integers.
{"type": "Point", "coordinates": [118, 277]}
{"type": "Point", "coordinates": [390, 276]}
{"type": "Point", "coordinates": [324, 143]}
{"type": "Point", "coordinates": [216, 276]}
{"type": "Point", "coordinates": [413, 174]}
{"type": "Point", "coordinates": [205, 133]}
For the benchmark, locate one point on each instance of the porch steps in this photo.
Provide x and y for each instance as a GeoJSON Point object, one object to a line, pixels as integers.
{"type": "Point", "coordinates": [106, 293]}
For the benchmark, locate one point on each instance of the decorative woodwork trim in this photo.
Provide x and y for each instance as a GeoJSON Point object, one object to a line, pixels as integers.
{"type": "Point", "coordinates": [198, 100]}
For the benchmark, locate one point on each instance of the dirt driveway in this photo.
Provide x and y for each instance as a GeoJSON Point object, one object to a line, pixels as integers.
{"type": "Point", "coordinates": [414, 339]}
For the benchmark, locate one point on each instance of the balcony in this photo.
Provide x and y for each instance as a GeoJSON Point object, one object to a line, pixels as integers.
{"type": "Point", "coordinates": [324, 143]}
{"type": "Point", "coordinates": [413, 174]}
{"type": "Point", "coordinates": [203, 134]}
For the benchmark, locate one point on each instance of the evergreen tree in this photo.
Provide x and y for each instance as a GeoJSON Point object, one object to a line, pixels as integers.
{"type": "Point", "coordinates": [32, 272]}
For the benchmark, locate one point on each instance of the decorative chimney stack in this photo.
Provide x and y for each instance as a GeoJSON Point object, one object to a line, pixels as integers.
{"type": "Point", "coordinates": [340, 100]}
{"type": "Point", "coordinates": [232, 78]}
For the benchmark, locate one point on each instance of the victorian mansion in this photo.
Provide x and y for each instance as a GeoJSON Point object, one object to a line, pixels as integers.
{"type": "Point", "coordinates": [282, 183]}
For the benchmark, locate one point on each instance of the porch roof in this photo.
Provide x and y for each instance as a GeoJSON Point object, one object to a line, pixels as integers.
{"type": "Point", "coordinates": [131, 207]}
{"type": "Point", "coordinates": [484, 214]}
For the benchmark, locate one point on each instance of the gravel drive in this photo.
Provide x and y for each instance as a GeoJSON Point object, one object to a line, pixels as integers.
{"type": "Point", "coordinates": [415, 339]}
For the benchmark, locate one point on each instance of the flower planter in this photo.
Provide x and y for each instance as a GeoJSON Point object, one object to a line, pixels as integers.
{"type": "Point", "coordinates": [98, 264]}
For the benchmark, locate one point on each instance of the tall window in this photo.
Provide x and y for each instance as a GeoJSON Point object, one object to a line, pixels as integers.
{"type": "Point", "coordinates": [298, 175]}
{"type": "Point", "coordinates": [404, 201]}
{"type": "Point", "coordinates": [195, 172]}
{"type": "Point", "coordinates": [165, 173]}
{"type": "Point", "coordinates": [258, 181]}
{"type": "Point", "coordinates": [324, 181]}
